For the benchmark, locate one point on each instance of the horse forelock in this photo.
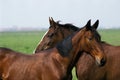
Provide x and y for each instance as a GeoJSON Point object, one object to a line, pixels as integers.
{"type": "Point", "coordinates": [96, 34]}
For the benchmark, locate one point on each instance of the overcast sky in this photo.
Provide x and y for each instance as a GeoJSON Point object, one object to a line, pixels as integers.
{"type": "Point", "coordinates": [36, 13]}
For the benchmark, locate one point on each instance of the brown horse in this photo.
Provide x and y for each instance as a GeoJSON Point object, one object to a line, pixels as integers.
{"type": "Point", "coordinates": [50, 64]}
{"type": "Point", "coordinates": [54, 35]}
{"type": "Point", "coordinates": [86, 67]}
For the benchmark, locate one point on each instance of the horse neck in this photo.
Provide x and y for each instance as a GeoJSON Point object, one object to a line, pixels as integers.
{"type": "Point", "coordinates": [108, 47]}
{"type": "Point", "coordinates": [68, 49]}
{"type": "Point", "coordinates": [76, 49]}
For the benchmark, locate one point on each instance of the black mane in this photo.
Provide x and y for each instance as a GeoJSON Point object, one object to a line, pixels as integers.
{"type": "Point", "coordinates": [75, 28]}
{"type": "Point", "coordinates": [68, 26]}
{"type": "Point", "coordinates": [64, 47]}
{"type": "Point", "coordinates": [97, 35]}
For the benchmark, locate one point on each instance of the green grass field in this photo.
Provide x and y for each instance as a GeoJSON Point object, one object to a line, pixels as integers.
{"type": "Point", "coordinates": [26, 42]}
{"type": "Point", "coordinates": [21, 41]}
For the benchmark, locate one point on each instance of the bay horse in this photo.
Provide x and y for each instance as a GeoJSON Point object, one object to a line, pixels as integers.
{"type": "Point", "coordinates": [86, 68]}
{"type": "Point", "coordinates": [51, 64]}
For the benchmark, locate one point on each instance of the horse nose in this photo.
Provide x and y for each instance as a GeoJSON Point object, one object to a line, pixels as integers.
{"type": "Point", "coordinates": [102, 62]}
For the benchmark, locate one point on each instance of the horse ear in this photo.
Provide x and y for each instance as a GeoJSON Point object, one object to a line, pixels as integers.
{"type": "Point", "coordinates": [52, 22]}
{"type": "Point", "coordinates": [95, 25]}
{"type": "Point", "coordinates": [88, 25]}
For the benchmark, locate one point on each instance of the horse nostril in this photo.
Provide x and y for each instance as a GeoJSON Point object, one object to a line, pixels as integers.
{"type": "Point", "coordinates": [102, 62]}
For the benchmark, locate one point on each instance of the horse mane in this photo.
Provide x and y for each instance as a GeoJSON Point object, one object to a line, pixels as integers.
{"type": "Point", "coordinates": [64, 47]}
{"type": "Point", "coordinates": [68, 26]}
{"type": "Point", "coordinates": [97, 35]}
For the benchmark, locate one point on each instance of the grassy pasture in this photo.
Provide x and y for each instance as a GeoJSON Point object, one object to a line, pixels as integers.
{"type": "Point", "coordinates": [26, 42]}
{"type": "Point", "coordinates": [21, 41]}
{"type": "Point", "coordinates": [111, 36]}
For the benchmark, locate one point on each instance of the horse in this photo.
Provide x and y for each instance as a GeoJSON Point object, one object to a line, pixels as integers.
{"type": "Point", "coordinates": [86, 68]}
{"type": "Point", "coordinates": [51, 36]}
{"type": "Point", "coordinates": [51, 64]}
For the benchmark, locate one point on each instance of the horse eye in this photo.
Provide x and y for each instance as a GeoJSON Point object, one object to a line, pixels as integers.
{"type": "Point", "coordinates": [90, 38]}
{"type": "Point", "coordinates": [50, 35]}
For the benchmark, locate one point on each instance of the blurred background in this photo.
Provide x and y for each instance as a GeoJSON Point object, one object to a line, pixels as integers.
{"type": "Point", "coordinates": [34, 14]}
